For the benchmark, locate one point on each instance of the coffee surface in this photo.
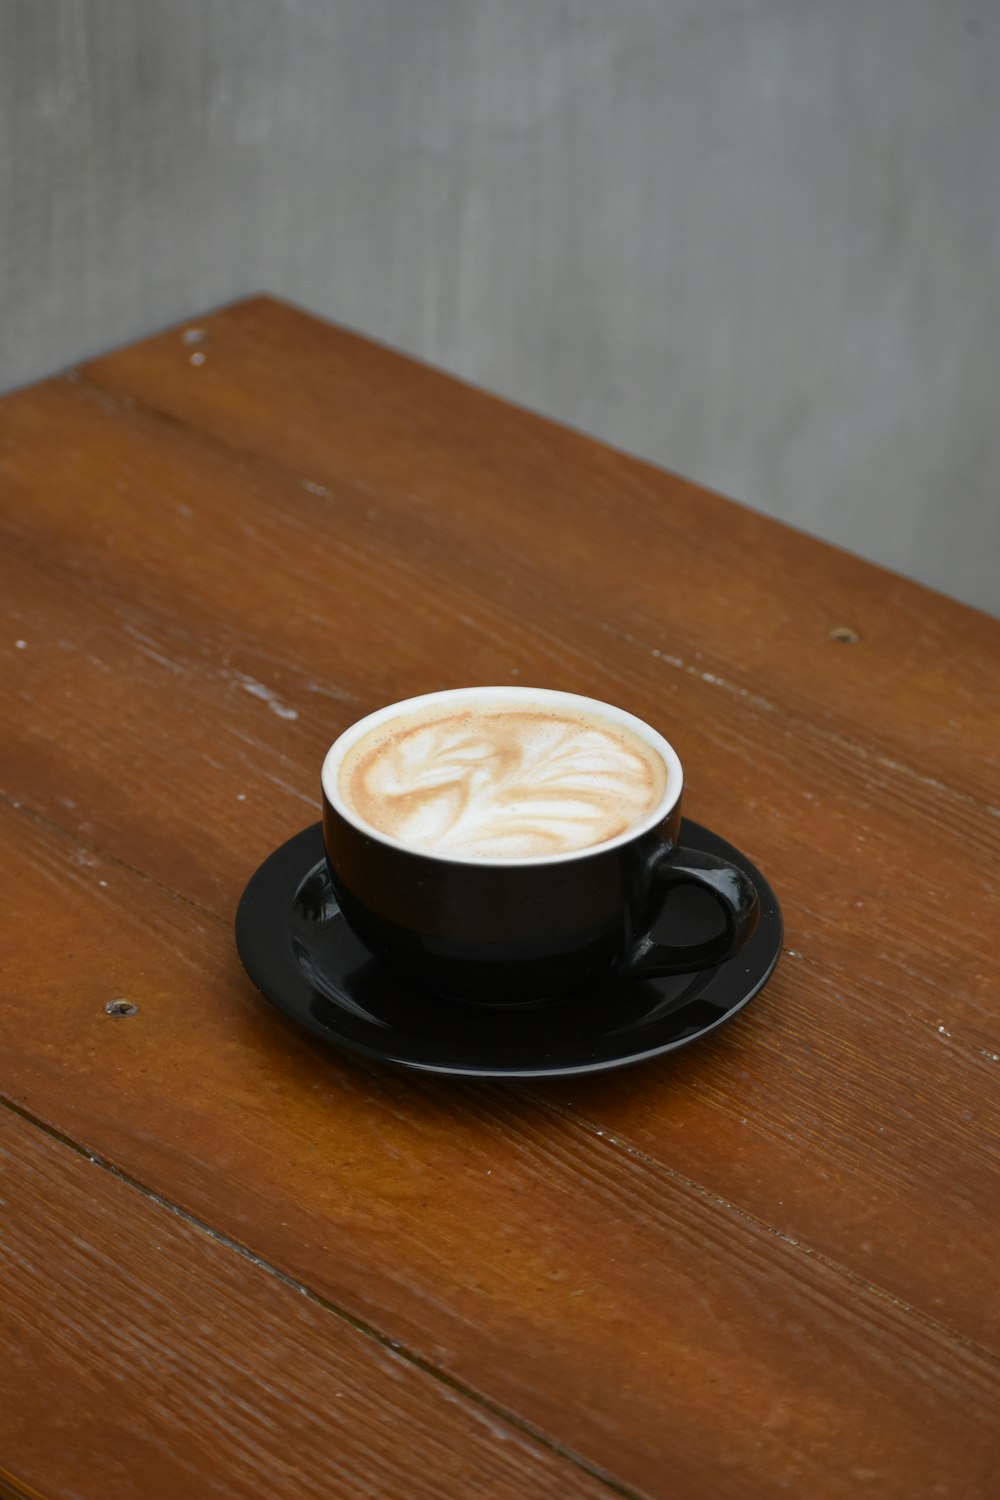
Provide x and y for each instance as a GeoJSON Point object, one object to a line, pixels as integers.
{"type": "Point", "coordinates": [501, 782]}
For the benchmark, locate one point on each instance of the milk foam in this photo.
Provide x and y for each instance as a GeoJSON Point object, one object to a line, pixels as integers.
{"type": "Point", "coordinates": [501, 782]}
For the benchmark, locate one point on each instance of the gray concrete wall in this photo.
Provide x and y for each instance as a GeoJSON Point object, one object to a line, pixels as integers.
{"type": "Point", "coordinates": [757, 241]}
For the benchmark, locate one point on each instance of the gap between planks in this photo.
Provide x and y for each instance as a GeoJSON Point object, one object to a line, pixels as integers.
{"type": "Point", "coordinates": [16, 1489]}
{"type": "Point", "coordinates": [808, 726]}
{"type": "Point", "coordinates": [367, 1330]}
{"type": "Point", "coordinates": [542, 1107]}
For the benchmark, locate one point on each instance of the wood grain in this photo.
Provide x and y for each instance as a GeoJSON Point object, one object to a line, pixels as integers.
{"type": "Point", "coordinates": [142, 1357]}
{"type": "Point", "coordinates": [767, 1263]}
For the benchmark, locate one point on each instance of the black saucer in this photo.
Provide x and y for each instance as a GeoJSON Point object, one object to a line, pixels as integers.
{"type": "Point", "coordinates": [300, 953]}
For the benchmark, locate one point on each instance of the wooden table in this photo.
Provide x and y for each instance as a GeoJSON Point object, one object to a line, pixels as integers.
{"type": "Point", "coordinates": [238, 1263]}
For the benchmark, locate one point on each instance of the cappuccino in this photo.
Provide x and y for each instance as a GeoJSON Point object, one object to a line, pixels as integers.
{"type": "Point", "coordinates": [502, 779]}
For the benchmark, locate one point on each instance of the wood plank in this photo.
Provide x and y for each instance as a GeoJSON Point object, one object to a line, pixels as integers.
{"type": "Point", "coordinates": [662, 1335]}
{"type": "Point", "coordinates": [706, 583]}
{"type": "Point", "coordinates": [862, 1080]}
{"type": "Point", "coordinates": [143, 1357]}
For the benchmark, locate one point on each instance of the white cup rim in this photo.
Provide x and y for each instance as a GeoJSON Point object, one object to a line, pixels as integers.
{"type": "Point", "coordinates": [508, 694]}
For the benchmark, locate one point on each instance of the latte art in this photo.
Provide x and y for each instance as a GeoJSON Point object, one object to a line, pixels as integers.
{"type": "Point", "coordinates": [501, 782]}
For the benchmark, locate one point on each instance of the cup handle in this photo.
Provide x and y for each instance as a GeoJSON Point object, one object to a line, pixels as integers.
{"type": "Point", "coordinates": [733, 892]}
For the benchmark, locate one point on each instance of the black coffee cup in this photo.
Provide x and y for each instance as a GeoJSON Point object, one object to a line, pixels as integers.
{"type": "Point", "coordinates": [516, 931]}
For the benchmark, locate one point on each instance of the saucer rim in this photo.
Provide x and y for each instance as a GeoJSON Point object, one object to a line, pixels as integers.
{"type": "Point", "coordinates": [312, 836]}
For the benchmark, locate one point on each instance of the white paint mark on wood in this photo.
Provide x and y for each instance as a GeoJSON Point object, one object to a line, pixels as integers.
{"type": "Point", "coordinates": [266, 695]}
{"type": "Point", "coordinates": [326, 691]}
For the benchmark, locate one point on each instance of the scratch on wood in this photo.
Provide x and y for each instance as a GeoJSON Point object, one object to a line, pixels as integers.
{"type": "Point", "coordinates": [148, 648]}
